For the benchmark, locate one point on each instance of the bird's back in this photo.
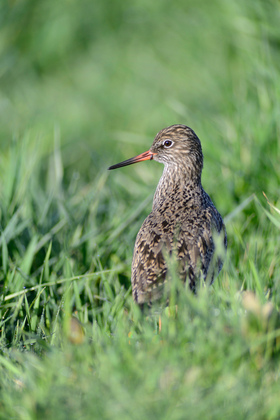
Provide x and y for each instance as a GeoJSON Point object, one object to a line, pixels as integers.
{"type": "Point", "coordinates": [184, 224]}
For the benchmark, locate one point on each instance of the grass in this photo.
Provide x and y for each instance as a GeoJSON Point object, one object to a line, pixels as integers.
{"type": "Point", "coordinates": [90, 89]}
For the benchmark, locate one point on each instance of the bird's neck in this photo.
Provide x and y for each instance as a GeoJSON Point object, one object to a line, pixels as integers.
{"type": "Point", "coordinates": [173, 182]}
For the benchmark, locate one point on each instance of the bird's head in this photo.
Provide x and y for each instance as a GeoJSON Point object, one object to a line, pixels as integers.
{"type": "Point", "coordinates": [174, 146]}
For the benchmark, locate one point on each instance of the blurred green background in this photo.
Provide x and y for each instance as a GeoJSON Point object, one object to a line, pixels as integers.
{"type": "Point", "coordinates": [110, 75]}
{"type": "Point", "coordinates": [86, 84]}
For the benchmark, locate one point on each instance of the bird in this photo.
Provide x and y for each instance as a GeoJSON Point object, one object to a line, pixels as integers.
{"type": "Point", "coordinates": [183, 223]}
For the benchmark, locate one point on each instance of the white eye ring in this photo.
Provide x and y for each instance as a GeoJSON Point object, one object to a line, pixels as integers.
{"type": "Point", "coordinates": [168, 143]}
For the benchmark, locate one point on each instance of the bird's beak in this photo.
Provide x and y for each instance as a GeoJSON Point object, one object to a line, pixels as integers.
{"type": "Point", "coordinates": [144, 156]}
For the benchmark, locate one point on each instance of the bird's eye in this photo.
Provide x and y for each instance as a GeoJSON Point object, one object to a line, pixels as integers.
{"type": "Point", "coordinates": [167, 143]}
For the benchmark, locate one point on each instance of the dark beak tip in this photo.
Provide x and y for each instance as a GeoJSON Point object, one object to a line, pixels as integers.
{"type": "Point", "coordinates": [114, 167]}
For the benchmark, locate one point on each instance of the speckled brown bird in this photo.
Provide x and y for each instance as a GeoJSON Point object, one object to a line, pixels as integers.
{"type": "Point", "coordinates": [183, 222]}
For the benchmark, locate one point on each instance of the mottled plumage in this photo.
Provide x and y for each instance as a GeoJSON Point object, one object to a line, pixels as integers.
{"type": "Point", "coordinates": [183, 222]}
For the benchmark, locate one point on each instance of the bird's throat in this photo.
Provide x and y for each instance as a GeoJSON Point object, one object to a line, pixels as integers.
{"type": "Point", "coordinates": [172, 185]}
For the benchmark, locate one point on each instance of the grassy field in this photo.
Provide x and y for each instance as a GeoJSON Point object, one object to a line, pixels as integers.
{"type": "Point", "coordinates": [85, 85]}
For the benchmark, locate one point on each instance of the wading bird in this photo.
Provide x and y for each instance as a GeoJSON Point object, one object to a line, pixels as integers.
{"type": "Point", "coordinates": [183, 223]}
